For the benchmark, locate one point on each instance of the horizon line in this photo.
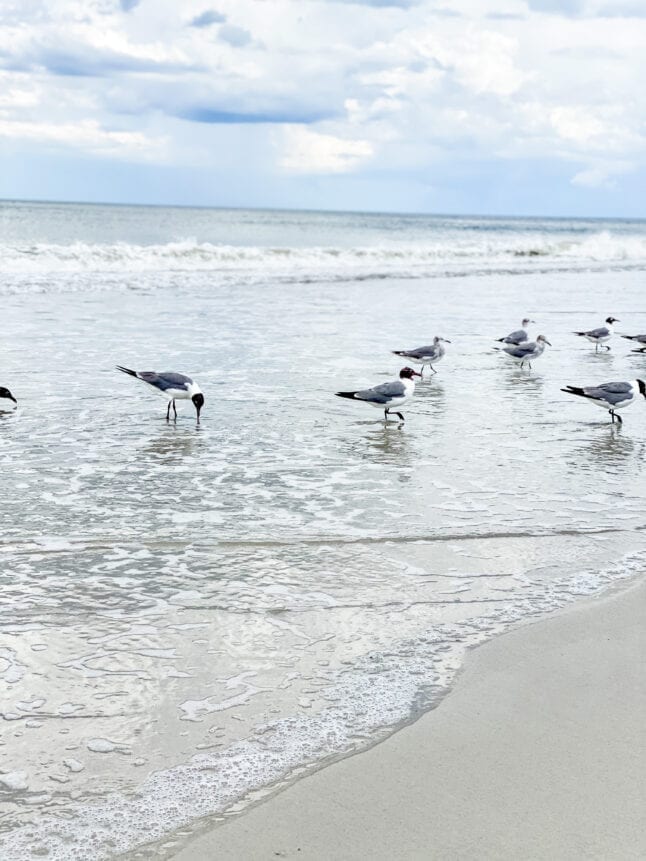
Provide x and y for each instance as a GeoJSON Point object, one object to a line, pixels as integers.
{"type": "Point", "coordinates": [309, 210]}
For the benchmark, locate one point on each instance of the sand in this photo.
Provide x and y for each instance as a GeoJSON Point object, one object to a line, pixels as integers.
{"type": "Point", "coordinates": [539, 752]}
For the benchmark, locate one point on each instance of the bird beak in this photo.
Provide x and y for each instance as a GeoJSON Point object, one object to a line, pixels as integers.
{"type": "Point", "coordinates": [416, 374]}
{"type": "Point", "coordinates": [446, 340]}
{"type": "Point", "coordinates": [197, 410]}
{"type": "Point", "coordinates": [547, 342]}
{"type": "Point", "coordinates": [11, 398]}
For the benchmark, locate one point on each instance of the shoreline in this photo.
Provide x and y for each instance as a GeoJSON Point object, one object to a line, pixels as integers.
{"type": "Point", "coordinates": [550, 766]}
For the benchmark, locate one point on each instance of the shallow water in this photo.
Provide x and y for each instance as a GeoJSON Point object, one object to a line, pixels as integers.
{"type": "Point", "coordinates": [192, 612]}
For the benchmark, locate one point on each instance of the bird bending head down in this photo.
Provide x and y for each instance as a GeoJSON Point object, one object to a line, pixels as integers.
{"type": "Point", "coordinates": [198, 402]}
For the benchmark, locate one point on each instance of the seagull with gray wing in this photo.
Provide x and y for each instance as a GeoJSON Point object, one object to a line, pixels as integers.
{"type": "Point", "coordinates": [387, 395]}
{"type": "Point", "coordinates": [610, 396]}
{"type": "Point", "coordinates": [601, 335]}
{"type": "Point", "coordinates": [425, 355]}
{"type": "Point", "coordinates": [520, 335]}
{"type": "Point", "coordinates": [526, 351]}
{"type": "Point", "coordinates": [639, 339]}
{"type": "Point", "coordinates": [171, 386]}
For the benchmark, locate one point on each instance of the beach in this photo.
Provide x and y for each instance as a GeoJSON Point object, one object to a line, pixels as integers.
{"type": "Point", "coordinates": [539, 752]}
{"type": "Point", "coordinates": [194, 615]}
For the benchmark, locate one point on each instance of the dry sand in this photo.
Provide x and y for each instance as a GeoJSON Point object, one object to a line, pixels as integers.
{"type": "Point", "coordinates": [538, 752]}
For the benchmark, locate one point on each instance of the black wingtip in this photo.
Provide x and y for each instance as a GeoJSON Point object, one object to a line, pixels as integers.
{"type": "Point", "coordinates": [345, 394]}
{"type": "Point", "coordinates": [126, 370]}
{"type": "Point", "coordinates": [398, 353]}
{"type": "Point", "coordinates": [574, 390]}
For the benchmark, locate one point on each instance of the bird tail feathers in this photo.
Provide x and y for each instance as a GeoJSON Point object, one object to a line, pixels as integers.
{"type": "Point", "coordinates": [127, 371]}
{"type": "Point", "coordinates": [575, 390]}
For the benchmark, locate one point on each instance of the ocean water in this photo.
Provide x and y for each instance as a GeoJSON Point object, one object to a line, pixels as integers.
{"type": "Point", "coordinates": [192, 615]}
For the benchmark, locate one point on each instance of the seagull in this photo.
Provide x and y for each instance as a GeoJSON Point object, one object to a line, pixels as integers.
{"type": "Point", "coordinates": [601, 335]}
{"type": "Point", "coordinates": [610, 396]}
{"type": "Point", "coordinates": [426, 355]}
{"type": "Point", "coordinates": [520, 335]}
{"type": "Point", "coordinates": [171, 386]}
{"type": "Point", "coordinates": [641, 339]}
{"type": "Point", "coordinates": [526, 351]}
{"type": "Point", "coordinates": [5, 393]}
{"type": "Point", "coordinates": [387, 395]}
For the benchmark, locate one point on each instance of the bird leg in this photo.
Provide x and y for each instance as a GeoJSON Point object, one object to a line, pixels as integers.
{"type": "Point", "coordinates": [174, 408]}
{"type": "Point", "coordinates": [607, 347]}
{"type": "Point", "coordinates": [615, 415]}
{"type": "Point", "coordinates": [386, 414]}
{"type": "Point", "coordinates": [433, 369]}
{"type": "Point", "coordinates": [168, 411]}
{"type": "Point", "coordinates": [400, 416]}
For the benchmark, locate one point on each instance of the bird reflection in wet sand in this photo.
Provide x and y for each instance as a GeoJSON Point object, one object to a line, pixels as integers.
{"type": "Point", "coordinates": [524, 386]}
{"type": "Point", "coordinates": [381, 446]}
{"type": "Point", "coordinates": [611, 452]}
{"type": "Point", "coordinates": [171, 448]}
{"type": "Point", "coordinates": [431, 396]}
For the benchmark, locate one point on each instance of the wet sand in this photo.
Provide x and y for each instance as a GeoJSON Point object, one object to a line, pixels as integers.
{"type": "Point", "coordinates": [539, 752]}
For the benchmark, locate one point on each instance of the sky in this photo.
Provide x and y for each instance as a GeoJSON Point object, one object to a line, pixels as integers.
{"type": "Point", "coordinates": [528, 107]}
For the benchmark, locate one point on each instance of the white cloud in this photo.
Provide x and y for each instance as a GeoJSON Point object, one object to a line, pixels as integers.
{"type": "Point", "coordinates": [86, 135]}
{"type": "Point", "coordinates": [306, 151]}
{"type": "Point", "coordinates": [601, 175]}
{"type": "Point", "coordinates": [383, 85]}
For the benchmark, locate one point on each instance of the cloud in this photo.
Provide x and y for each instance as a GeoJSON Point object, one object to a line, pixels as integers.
{"type": "Point", "coordinates": [236, 36]}
{"type": "Point", "coordinates": [376, 88]}
{"type": "Point", "coordinates": [220, 116]}
{"type": "Point", "coordinates": [87, 135]}
{"type": "Point", "coordinates": [305, 151]}
{"type": "Point", "coordinates": [205, 19]}
{"type": "Point", "coordinates": [601, 175]}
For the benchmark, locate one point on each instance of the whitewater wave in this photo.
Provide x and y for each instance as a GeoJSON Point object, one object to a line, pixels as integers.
{"type": "Point", "coordinates": [189, 254]}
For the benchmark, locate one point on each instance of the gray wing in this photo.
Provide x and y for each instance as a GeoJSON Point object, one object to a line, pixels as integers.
{"type": "Point", "coordinates": [419, 353]}
{"type": "Point", "coordinates": [641, 339]}
{"type": "Point", "coordinates": [382, 394]}
{"type": "Point", "coordinates": [614, 393]}
{"type": "Point", "coordinates": [516, 337]}
{"type": "Point", "coordinates": [165, 380]}
{"type": "Point", "coordinates": [521, 350]}
{"type": "Point", "coordinates": [601, 332]}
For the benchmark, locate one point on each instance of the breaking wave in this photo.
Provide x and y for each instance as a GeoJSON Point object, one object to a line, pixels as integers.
{"type": "Point", "coordinates": [189, 254]}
